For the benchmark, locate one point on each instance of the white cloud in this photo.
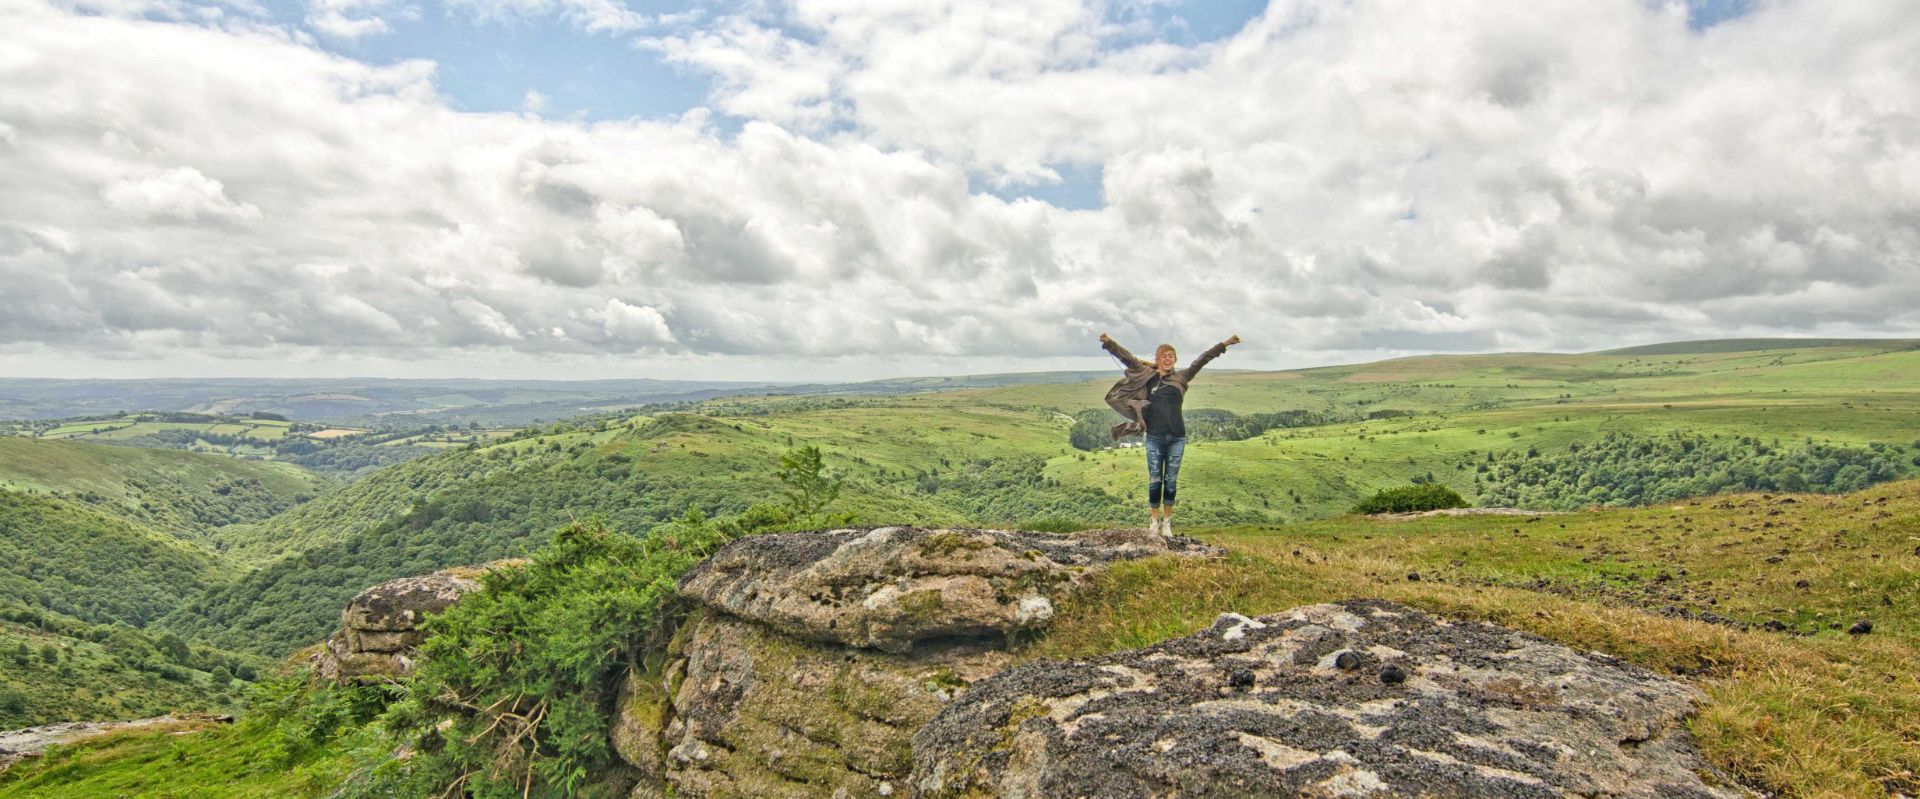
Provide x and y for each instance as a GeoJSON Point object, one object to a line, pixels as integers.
{"type": "Point", "coordinates": [342, 25]}
{"type": "Point", "coordinates": [485, 319]}
{"type": "Point", "coordinates": [637, 324]}
{"type": "Point", "coordinates": [1338, 177]}
{"type": "Point", "coordinates": [180, 194]}
{"type": "Point", "coordinates": [594, 16]}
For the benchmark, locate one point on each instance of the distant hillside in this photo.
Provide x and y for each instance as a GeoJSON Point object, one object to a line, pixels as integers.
{"type": "Point", "coordinates": [76, 586]}
{"type": "Point", "coordinates": [185, 494]}
{"type": "Point", "coordinates": [91, 566]}
{"type": "Point", "coordinates": [1710, 346]}
{"type": "Point", "coordinates": [476, 505]}
{"type": "Point", "coordinates": [66, 675]}
{"type": "Point", "coordinates": [490, 403]}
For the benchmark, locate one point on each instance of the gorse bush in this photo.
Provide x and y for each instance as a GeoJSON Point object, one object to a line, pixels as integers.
{"type": "Point", "coordinates": [1411, 499]}
{"type": "Point", "coordinates": [298, 720]}
{"type": "Point", "coordinates": [514, 694]}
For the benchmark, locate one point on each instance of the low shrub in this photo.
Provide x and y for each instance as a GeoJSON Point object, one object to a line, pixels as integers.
{"type": "Point", "coordinates": [1411, 499]}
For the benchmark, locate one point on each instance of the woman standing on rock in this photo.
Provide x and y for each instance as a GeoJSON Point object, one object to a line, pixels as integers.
{"type": "Point", "coordinates": [1149, 396]}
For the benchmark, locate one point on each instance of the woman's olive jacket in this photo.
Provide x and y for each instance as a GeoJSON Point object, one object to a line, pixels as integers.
{"type": "Point", "coordinates": [1129, 396]}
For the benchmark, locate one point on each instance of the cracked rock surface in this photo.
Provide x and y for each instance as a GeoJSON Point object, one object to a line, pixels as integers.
{"type": "Point", "coordinates": [380, 627]}
{"type": "Point", "coordinates": [816, 656]}
{"type": "Point", "coordinates": [892, 587]}
{"type": "Point", "coordinates": [1269, 707]}
{"type": "Point", "coordinates": [748, 712]}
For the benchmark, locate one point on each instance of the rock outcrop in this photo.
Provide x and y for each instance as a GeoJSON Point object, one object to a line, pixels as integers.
{"type": "Point", "coordinates": [380, 628]}
{"type": "Point", "coordinates": [893, 587]}
{"type": "Point", "coordinates": [816, 656]}
{"type": "Point", "coordinates": [1356, 699]}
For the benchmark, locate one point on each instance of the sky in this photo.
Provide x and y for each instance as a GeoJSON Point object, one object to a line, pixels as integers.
{"type": "Point", "coordinates": [853, 189]}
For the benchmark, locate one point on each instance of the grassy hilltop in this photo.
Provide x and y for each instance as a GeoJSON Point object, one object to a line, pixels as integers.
{"type": "Point", "coordinates": [186, 494]}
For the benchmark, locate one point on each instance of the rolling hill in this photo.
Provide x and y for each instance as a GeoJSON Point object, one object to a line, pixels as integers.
{"type": "Point", "coordinates": [97, 568]}
{"type": "Point", "coordinates": [185, 494]}
{"type": "Point", "coordinates": [1516, 427]}
{"type": "Point", "coordinates": [76, 587]}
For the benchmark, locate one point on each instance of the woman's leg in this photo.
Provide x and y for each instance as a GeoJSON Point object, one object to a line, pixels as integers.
{"type": "Point", "coordinates": [1172, 451]}
{"type": "Point", "coordinates": [1156, 460]}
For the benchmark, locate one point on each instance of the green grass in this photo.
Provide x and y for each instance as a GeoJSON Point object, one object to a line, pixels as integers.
{"type": "Point", "coordinates": [1603, 580]}
{"type": "Point", "coordinates": [87, 682]}
{"type": "Point", "coordinates": [918, 459]}
{"type": "Point", "coordinates": [185, 494]}
{"type": "Point", "coordinates": [195, 760]}
{"type": "Point", "coordinates": [134, 426]}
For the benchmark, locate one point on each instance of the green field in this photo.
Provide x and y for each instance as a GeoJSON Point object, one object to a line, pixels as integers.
{"type": "Point", "coordinates": [136, 425]}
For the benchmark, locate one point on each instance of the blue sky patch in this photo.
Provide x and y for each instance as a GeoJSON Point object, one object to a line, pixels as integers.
{"type": "Point", "coordinates": [1704, 14]}
{"type": "Point", "coordinates": [1078, 189]}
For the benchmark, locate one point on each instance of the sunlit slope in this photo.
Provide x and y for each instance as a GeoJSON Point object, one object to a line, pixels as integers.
{"type": "Point", "coordinates": [901, 464]}
{"type": "Point", "coordinates": [94, 567]}
{"type": "Point", "coordinates": [1465, 407]}
{"type": "Point", "coordinates": [646, 470]}
{"type": "Point", "coordinates": [186, 494]}
{"type": "Point", "coordinates": [1463, 382]}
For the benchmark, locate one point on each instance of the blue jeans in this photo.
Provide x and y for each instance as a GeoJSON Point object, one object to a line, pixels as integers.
{"type": "Point", "coordinates": [1163, 467]}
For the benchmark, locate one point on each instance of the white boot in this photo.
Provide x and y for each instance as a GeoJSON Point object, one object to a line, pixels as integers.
{"type": "Point", "coordinates": [1166, 527]}
{"type": "Point", "coordinates": [1153, 526]}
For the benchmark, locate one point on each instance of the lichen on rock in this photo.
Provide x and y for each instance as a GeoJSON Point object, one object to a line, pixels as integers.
{"type": "Point", "coordinates": [1304, 703]}
{"type": "Point", "coordinates": [815, 657]}
{"type": "Point", "coordinates": [892, 587]}
{"type": "Point", "coordinates": [380, 627]}
{"type": "Point", "coordinates": [747, 712]}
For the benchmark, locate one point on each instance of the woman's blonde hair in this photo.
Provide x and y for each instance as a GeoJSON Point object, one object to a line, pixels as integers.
{"type": "Point", "coordinates": [1165, 348]}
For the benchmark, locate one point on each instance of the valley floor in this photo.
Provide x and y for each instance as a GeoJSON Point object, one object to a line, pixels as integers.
{"type": "Point", "coordinates": [1749, 597]}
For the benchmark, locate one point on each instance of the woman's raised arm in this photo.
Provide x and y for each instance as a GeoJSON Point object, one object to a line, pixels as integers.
{"type": "Point", "coordinates": [1212, 352]}
{"type": "Point", "coordinates": [1126, 358]}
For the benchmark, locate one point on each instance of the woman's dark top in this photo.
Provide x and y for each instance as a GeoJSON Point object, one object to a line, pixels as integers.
{"type": "Point", "coordinates": [1163, 408]}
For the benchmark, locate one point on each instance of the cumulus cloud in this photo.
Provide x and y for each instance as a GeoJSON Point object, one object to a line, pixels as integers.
{"type": "Point", "coordinates": [638, 324]}
{"type": "Point", "coordinates": [1336, 179]}
{"type": "Point", "coordinates": [181, 194]}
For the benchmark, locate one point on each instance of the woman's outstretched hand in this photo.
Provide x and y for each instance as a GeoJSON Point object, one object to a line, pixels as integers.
{"type": "Point", "coordinates": [1229, 342]}
{"type": "Point", "coordinates": [1104, 339]}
